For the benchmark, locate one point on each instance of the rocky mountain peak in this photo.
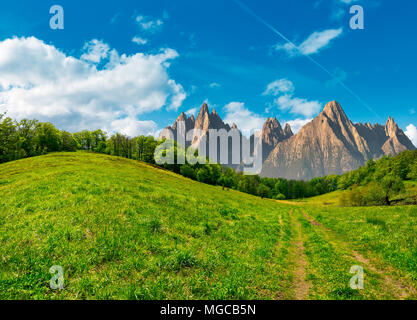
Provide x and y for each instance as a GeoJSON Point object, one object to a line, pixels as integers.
{"type": "Point", "coordinates": [272, 134]}
{"type": "Point", "coordinates": [334, 111]}
{"type": "Point", "coordinates": [272, 124]}
{"type": "Point", "coordinates": [391, 127]}
{"type": "Point", "coordinates": [182, 117]}
{"type": "Point", "coordinates": [397, 140]}
{"type": "Point", "coordinates": [329, 144]}
{"type": "Point", "coordinates": [202, 119]}
{"type": "Point", "coordinates": [288, 131]}
{"type": "Point", "coordinates": [188, 121]}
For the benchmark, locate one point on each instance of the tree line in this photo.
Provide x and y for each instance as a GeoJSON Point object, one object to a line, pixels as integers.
{"type": "Point", "coordinates": [29, 138]}
{"type": "Point", "coordinates": [379, 182]}
{"type": "Point", "coordinates": [375, 183]}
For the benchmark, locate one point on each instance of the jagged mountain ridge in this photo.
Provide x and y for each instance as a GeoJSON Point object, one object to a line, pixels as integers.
{"type": "Point", "coordinates": [332, 144]}
{"type": "Point", "coordinates": [329, 144]}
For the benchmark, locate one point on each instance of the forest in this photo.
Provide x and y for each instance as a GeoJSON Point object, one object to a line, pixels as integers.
{"type": "Point", "coordinates": [374, 184]}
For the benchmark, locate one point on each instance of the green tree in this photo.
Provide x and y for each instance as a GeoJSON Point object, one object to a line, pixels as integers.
{"type": "Point", "coordinates": [10, 144]}
{"type": "Point", "coordinates": [263, 190]}
{"type": "Point", "coordinates": [391, 185]}
{"type": "Point", "coordinates": [187, 171]}
{"type": "Point", "coordinates": [280, 196]}
{"type": "Point", "coordinates": [68, 141]}
{"type": "Point", "coordinates": [49, 138]}
{"type": "Point", "coordinates": [26, 129]}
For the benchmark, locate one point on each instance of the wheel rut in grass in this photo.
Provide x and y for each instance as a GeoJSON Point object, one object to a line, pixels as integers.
{"type": "Point", "coordinates": [301, 284]}
{"type": "Point", "coordinates": [402, 289]}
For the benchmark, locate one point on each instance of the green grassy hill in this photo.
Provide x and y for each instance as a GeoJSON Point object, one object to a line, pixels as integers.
{"type": "Point", "coordinates": [122, 229]}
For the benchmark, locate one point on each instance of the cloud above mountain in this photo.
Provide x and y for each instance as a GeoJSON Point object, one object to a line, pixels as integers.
{"type": "Point", "coordinates": [411, 133]}
{"type": "Point", "coordinates": [40, 81]}
{"type": "Point", "coordinates": [246, 120]}
{"type": "Point", "coordinates": [283, 91]}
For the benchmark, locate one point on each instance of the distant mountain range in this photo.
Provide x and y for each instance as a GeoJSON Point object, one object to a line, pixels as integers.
{"type": "Point", "coordinates": [329, 144]}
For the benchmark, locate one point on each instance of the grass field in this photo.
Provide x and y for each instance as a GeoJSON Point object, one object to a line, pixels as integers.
{"type": "Point", "coordinates": [121, 229]}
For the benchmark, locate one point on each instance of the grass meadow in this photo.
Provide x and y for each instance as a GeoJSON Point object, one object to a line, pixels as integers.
{"type": "Point", "coordinates": [122, 229]}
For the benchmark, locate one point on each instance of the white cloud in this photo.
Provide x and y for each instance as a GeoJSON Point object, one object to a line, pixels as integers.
{"type": "Point", "coordinates": [313, 44]}
{"type": "Point", "coordinates": [214, 85]}
{"type": "Point", "coordinates": [95, 50]}
{"type": "Point", "coordinates": [283, 90]}
{"type": "Point", "coordinates": [133, 127]}
{"type": "Point", "coordinates": [319, 40]}
{"type": "Point", "coordinates": [147, 24]}
{"type": "Point", "coordinates": [279, 86]}
{"type": "Point", "coordinates": [297, 105]}
{"type": "Point", "coordinates": [297, 124]}
{"type": "Point", "coordinates": [411, 132]}
{"type": "Point", "coordinates": [246, 120]}
{"type": "Point", "coordinates": [140, 41]}
{"type": "Point", "coordinates": [43, 83]}
{"type": "Point", "coordinates": [191, 112]}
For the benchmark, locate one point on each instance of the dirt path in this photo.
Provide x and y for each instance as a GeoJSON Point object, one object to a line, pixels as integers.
{"type": "Point", "coordinates": [401, 289]}
{"type": "Point", "coordinates": [301, 284]}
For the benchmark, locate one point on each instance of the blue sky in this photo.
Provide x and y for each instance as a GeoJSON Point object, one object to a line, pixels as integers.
{"type": "Point", "coordinates": [186, 52]}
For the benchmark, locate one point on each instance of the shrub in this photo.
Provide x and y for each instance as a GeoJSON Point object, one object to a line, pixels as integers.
{"type": "Point", "coordinates": [374, 194]}
{"type": "Point", "coordinates": [263, 190]}
{"type": "Point", "coordinates": [188, 172]}
{"type": "Point", "coordinates": [280, 196]}
{"type": "Point", "coordinates": [356, 197]}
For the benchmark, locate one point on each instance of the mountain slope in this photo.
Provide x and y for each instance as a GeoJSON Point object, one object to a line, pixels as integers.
{"type": "Point", "coordinates": [332, 144]}
{"type": "Point", "coordinates": [329, 144]}
{"type": "Point", "coordinates": [122, 229]}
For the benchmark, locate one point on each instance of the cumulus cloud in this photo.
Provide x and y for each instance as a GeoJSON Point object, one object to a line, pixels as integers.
{"type": "Point", "coordinates": [283, 90]}
{"type": "Point", "coordinates": [140, 41]}
{"type": "Point", "coordinates": [95, 50]}
{"type": "Point", "coordinates": [149, 24]}
{"type": "Point", "coordinates": [279, 86]}
{"type": "Point", "coordinates": [246, 120]}
{"type": "Point", "coordinates": [297, 124]}
{"type": "Point", "coordinates": [39, 81]}
{"type": "Point", "coordinates": [132, 127]}
{"type": "Point", "coordinates": [411, 132]}
{"type": "Point", "coordinates": [297, 105]}
{"type": "Point", "coordinates": [191, 112]}
{"type": "Point", "coordinates": [313, 44]}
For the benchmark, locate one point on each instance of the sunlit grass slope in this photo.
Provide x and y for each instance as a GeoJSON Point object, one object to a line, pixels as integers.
{"type": "Point", "coordinates": [123, 229]}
